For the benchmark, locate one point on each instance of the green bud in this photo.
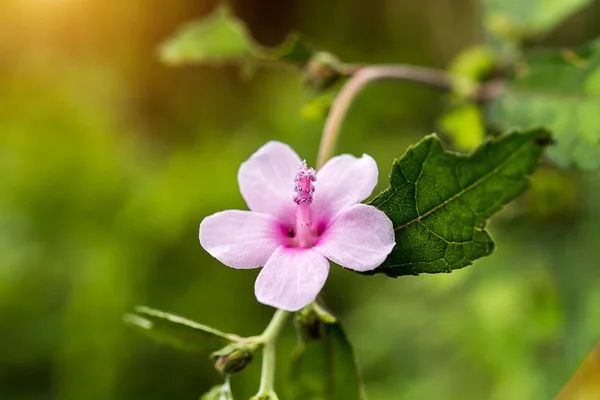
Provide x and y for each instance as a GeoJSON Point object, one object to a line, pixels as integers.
{"type": "Point", "coordinates": [310, 319]}
{"type": "Point", "coordinates": [233, 358]}
{"type": "Point", "coordinates": [321, 71]}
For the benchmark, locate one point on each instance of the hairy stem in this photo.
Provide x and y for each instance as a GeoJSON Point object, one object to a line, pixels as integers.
{"type": "Point", "coordinates": [268, 338]}
{"type": "Point", "coordinates": [360, 78]}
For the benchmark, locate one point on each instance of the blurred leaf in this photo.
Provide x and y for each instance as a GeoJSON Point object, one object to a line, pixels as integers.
{"type": "Point", "coordinates": [470, 67]}
{"type": "Point", "coordinates": [475, 62]}
{"type": "Point", "coordinates": [219, 392]}
{"type": "Point", "coordinates": [439, 201]}
{"type": "Point", "coordinates": [220, 37]}
{"type": "Point", "coordinates": [518, 19]}
{"type": "Point", "coordinates": [585, 383]}
{"type": "Point", "coordinates": [176, 331]}
{"type": "Point", "coordinates": [318, 107]}
{"type": "Point", "coordinates": [293, 50]}
{"type": "Point", "coordinates": [464, 125]}
{"type": "Point", "coordinates": [553, 196]}
{"type": "Point", "coordinates": [560, 90]}
{"type": "Point", "coordinates": [323, 366]}
{"type": "Point", "coordinates": [223, 38]}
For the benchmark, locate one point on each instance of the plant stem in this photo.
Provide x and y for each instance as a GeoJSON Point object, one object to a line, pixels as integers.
{"type": "Point", "coordinates": [360, 78]}
{"type": "Point", "coordinates": [268, 338]}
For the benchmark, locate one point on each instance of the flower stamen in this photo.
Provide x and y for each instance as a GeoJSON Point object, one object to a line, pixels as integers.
{"type": "Point", "coordinates": [303, 197]}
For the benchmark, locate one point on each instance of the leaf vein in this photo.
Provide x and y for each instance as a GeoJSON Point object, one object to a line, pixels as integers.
{"type": "Point", "coordinates": [466, 189]}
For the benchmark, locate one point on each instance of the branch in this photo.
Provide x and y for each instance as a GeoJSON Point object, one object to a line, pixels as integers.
{"type": "Point", "coordinates": [361, 76]}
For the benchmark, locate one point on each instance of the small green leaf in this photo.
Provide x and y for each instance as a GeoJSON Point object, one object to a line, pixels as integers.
{"type": "Point", "coordinates": [560, 90]}
{"type": "Point", "coordinates": [220, 37]}
{"type": "Point", "coordinates": [464, 125]}
{"type": "Point", "coordinates": [293, 50]}
{"type": "Point", "coordinates": [323, 365]}
{"type": "Point", "coordinates": [176, 331]}
{"type": "Point", "coordinates": [469, 68]}
{"type": "Point", "coordinates": [219, 392]}
{"type": "Point", "coordinates": [522, 18]}
{"type": "Point", "coordinates": [439, 201]}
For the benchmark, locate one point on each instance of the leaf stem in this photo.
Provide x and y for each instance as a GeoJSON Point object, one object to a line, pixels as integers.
{"type": "Point", "coordinates": [268, 338]}
{"type": "Point", "coordinates": [360, 78]}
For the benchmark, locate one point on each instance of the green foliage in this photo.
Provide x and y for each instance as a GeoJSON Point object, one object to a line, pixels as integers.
{"type": "Point", "coordinates": [223, 38]}
{"type": "Point", "coordinates": [518, 19]}
{"type": "Point", "coordinates": [470, 67]}
{"type": "Point", "coordinates": [560, 90]}
{"type": "Point", "coordinates": [220, 37]}
{"type": "Point", "coordinates": [176, 331]}
{"type": "Point", "coordinates": [323, 365]}
{"type": "Point", "coordinates": [464, 124]}
{"type": "Point", "coordinates": [439, 201]}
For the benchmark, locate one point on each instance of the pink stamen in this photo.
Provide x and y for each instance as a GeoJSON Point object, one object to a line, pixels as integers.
{"type": "Point", "coordinates": [304, 184]}
{"type": "Point", "coordinates": [304, 189]}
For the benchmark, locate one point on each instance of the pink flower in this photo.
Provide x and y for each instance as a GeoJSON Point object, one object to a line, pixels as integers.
{"type": "Point", "coordinates": [298, 220]}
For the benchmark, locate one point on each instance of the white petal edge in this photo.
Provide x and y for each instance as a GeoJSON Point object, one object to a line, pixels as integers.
{"type": "Point", "coordinates": [342, 182]}
{"type": "Point", "coordinates": [292, 278]}
{"type": "Point", "coordinates": [359, 239]}
{"type": "Point", "coordinates": [266, 179]}
{"type": "Point", "coordinates": [239, 239]}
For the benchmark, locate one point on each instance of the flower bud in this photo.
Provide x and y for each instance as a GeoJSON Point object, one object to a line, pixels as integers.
{"type": "Point", "coordinates": [321, 71]}
{"type": "Point", "coordinates": [309, 321]}
{"type": "Point", "coordinates": [232, 358]}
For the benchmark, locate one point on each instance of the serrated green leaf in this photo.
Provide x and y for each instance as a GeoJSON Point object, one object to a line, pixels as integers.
{"type": "Point", "coordinates": [176, 331]}
{"type": "Point", "coordinates": [560, 90]}
{"type": "Point", "coordinates": [439, 201]}
{"type": "Point", "coordinates": [323, 365]}
{"type": "Point", "coordinates": [220, 37]}
{"type": "Point", "coordinates": [524, 18]}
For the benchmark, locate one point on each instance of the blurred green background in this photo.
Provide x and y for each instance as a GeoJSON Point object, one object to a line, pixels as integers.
{"type": "Point", "coordinates": [109, 160]}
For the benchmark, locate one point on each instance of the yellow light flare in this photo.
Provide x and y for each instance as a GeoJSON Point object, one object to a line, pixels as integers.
{"type": "Point", "coordinates": [585, 383]}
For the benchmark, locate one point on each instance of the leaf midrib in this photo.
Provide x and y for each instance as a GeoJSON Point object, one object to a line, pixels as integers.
{"type": "Point", "coordinates": [463, 191]}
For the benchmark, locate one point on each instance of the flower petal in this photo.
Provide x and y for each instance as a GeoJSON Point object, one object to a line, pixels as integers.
{"type": "Point", "coordinates": [292, 278]}
{"type": "Point", "coordinates": [360, 238]}
{"type": "Point", "coordinates": [266, 179]}
{"type": "Point", "coordinates": [239, 239]}
{"type": "Point", "coordinates": [343, 182]}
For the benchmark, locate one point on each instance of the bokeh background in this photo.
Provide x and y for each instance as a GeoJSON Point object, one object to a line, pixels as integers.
{"type": "Point", "coordinates": [109, 160]}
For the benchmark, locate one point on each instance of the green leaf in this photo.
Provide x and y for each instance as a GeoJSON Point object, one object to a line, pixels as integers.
{"type": "Point", "coordinates": [464, 125]}
{"type": "Point", "coordinates": [323, 366]}
{"type": "Point", "coordinates": [293, 50]}
{"type": "Point", "coordinates": [439, 201]}
{"type": "Point", "coordinates": [560, 90]}
{"type": "Point", "coordinates": [220, 37]}
{"type": "Point", "coordinates": [176, 331]}
{"type": "Point", "coordinates": [223, 38]}
{"type": "Point", "coordinates": [522, 18]}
